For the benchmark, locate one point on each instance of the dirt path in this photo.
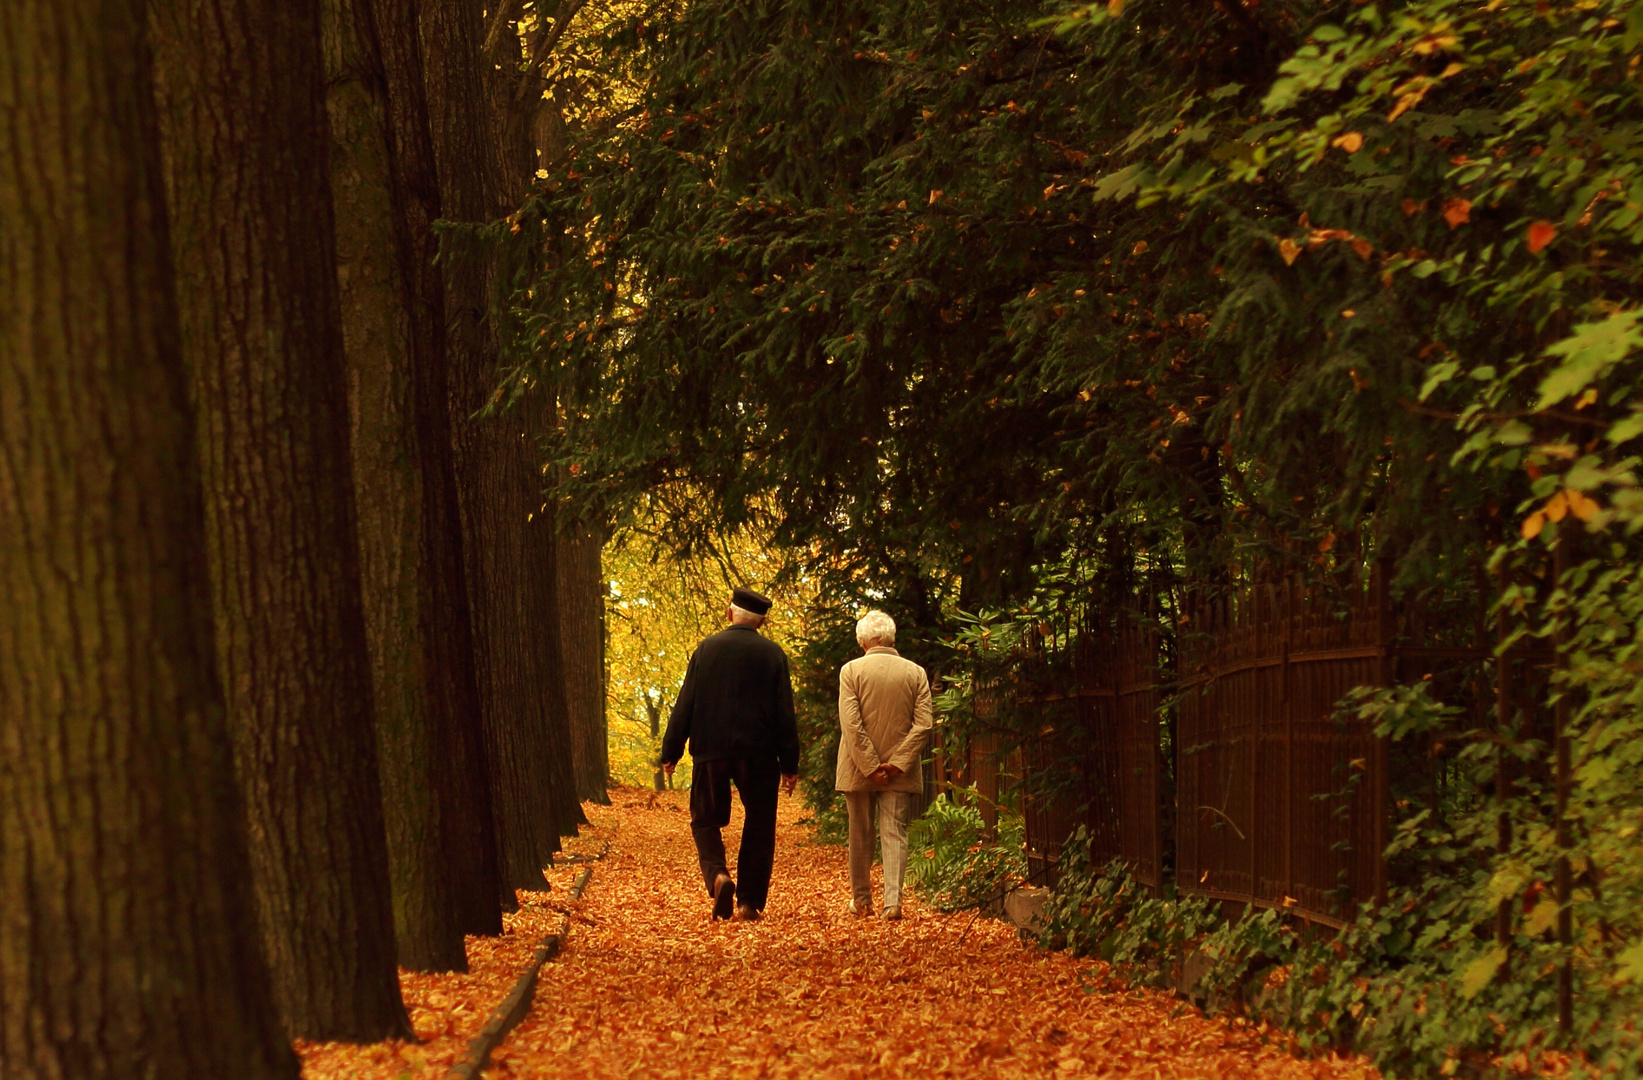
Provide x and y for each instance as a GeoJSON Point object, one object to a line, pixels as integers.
{"type": "Point", "coordinates": [651, 987]}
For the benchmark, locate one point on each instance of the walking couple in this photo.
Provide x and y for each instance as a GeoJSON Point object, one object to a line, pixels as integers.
{"type": "Point", "coordinates": [735, 710]}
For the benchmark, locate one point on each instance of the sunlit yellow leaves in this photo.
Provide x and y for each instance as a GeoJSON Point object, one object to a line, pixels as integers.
{"type": "Point", "coordinates": [1480, 971]}
{"type": "Point", "coordinates": [1410, 94]}
{"type": "Point", "coordinates": [1560, 505]}
{"type": "Point", "coordinates": [1541, 918]}
{"type": "Point", "coordinates": [1289, 251]}
{"type": "Point", "coordinates": [1351, 142]}
{"type": "Point", "coordinates": [1432, 43]}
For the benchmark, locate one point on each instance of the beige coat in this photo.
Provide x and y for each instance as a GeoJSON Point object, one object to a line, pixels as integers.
{"type": "Point", "coordinates": [884, 717]}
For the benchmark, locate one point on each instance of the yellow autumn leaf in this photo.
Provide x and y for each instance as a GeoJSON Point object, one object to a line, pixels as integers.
{"type": "Point", "coordinates": [1351, 142]}
{"type": "Point", "coordinates": [1557, 506]}
{"type": "Point", "coordinates": [1480, 971]}
{"type": "Point", "coordinates": [1533, 524]}
{"type": "Point", "coordinates": [1541, 918]}
{"type": "Point", "coordinates": [1580, 505]}
{"type": "Point", "coordinates": [1289, 251]}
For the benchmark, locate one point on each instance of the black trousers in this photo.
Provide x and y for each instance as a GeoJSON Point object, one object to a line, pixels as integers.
{"type": "Point", "coordinates": [757, 780]}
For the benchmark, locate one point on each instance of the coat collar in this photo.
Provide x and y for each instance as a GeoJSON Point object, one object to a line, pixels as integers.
{"type": "Point", "coordinates": [887, 650]}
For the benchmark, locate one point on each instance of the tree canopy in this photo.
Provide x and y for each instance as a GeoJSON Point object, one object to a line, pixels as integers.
{"type": "Point", "coordinates": [979, 305]}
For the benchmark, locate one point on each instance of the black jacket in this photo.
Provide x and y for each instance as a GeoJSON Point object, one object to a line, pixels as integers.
{"type": "Point", "coordinates": [737, 701]}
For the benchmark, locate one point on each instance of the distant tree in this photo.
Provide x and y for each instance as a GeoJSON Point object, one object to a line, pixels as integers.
{"type": "Point", "coordinates": [128, 940]}
{"type": "Point", "coordinates": [582, 645]}
{"type": "Point", "coordinates": [436, 795]}
{"type": "Point", "coordinates": [242, 112]}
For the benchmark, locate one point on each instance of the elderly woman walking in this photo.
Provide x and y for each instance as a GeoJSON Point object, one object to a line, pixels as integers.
{"type": "Point", "coordinates": [884, 714]}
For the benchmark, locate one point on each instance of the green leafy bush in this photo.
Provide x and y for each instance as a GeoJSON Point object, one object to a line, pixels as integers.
{"type": "Point", "coordinates": [954, 864]}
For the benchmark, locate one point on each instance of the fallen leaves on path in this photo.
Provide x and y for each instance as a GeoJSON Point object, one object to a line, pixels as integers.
{"type": "Point", "coordinates": [448, 1009]}
{"type": "Point", "coordinates": [649, 986]}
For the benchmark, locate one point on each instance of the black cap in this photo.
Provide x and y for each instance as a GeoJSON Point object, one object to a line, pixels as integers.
{"type": "Point", "coordinates": [748, 600]}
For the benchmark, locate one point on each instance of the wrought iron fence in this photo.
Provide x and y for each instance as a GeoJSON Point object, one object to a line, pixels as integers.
{"type": "Point", "coordinates": [1265, 792]}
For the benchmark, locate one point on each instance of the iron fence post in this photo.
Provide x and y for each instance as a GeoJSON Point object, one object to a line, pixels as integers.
{"type": "Point", "coordinates": [1381, 591]}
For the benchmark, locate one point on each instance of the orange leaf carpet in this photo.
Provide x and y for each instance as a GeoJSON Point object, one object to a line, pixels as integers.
{"type": "Point", "coordinates": [648, 986]}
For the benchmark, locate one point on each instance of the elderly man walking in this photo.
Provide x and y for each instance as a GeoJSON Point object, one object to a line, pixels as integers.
{"type": "Point", "coordinates": [884, 717]}
{"type": "Point", "coordinates": [735, 710]}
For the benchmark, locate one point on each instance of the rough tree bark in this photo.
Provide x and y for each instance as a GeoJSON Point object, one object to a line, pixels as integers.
{"type": "Point", "coordinates": [582, 652]}
{"type": "Point", "coordinates": [526, 133]}
{"type": "Point", "coordinates": [431, 771]}
{"type": "Point", "coordinates": [417, 202]}
{"type": "Point", "coordinates": [494, 471]}
{"type": "Point", "coordinates": [128, 945]}
{"type": "Point", "coordinates": [242, 115]}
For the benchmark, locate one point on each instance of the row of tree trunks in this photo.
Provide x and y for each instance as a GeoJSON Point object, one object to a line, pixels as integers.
{"type": "Point", "coordinates": [497, 478]}
{"type": "Point", "coordinates": [529, 134]}
{"type": "Point", "coordinates": [273, 579]}
{"type": "Point", "coordinates": [245, 136]}
{"type": "Point", "coordinates": [518, 118]}
{"type": "Point", "coordinates": [435, 789]}
{"type": "Point", "coordinates": [128, 943]}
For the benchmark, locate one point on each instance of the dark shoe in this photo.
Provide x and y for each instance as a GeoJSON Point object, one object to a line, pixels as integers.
{"type": "Point", "coordinates": [724, 896]}
{"type": "Point", "coordinates": [862, 912]}
{"type": "Point", "coordinates": [747, 913]}
{"type": "Point", "coordinates": [892, 914]}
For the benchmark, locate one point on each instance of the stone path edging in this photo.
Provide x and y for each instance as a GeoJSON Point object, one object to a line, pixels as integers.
{"type": "Point", "coordinates": [518, 1002]}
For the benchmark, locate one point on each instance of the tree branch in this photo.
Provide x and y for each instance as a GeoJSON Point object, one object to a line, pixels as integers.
{"type": "Point", "coordinates": [542, 46]}
{"type": "Point", "coordinates": [506, 12]}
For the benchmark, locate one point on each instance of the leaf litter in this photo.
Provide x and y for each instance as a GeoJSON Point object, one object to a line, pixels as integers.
{"type": "Point", "coordinates": [648, 986]}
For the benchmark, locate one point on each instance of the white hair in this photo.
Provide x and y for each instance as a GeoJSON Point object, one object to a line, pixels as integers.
{"type": "Point", "coordinates": [875, 628]}
{"type": "Point", "coordinates": [743, 617]}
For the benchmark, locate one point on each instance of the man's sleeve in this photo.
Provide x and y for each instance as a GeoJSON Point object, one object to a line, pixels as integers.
{"type": "Point", "coordinates": [854, 739]}
{"type": "Point", "coordinates": [907, 752]}
{"type": "Point", "coordinates": [678, 721]}
{"type": "Point", "coordinates": [787, 723]}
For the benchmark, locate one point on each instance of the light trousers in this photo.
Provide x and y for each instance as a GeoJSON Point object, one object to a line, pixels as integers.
{"type": "Point", "coordinates": [893, 807]}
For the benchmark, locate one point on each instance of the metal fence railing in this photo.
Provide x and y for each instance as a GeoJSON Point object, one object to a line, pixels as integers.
{"type": "Point", "coordinates": [1220, 759]}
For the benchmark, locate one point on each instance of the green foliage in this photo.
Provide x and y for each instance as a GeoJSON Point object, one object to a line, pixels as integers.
{"type": "Point", "coordinates": [959, 298]}
{"type": "Point", "coordinates": [1414, 987]}
{"type": "Point", "coordinates": [952, 861]}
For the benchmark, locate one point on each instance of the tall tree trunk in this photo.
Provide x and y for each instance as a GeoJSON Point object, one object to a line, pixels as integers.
{"type": "Point", "coordinates": [398, 490]}
{"type": "Point", "coordinates": [246, 143]}
{"type": "Point", "coordinates": [495, 482]}
{"type": "Point", "coordinates": [542, 608]}
{"type": "Point", "coordinates": [128, 942]}
{"type": "Point", "coordinates": [517, 113]}
{"type": "Point", "coordinates": [472, 828]}
{"type": "Point", "coordinates": [582, 652]}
